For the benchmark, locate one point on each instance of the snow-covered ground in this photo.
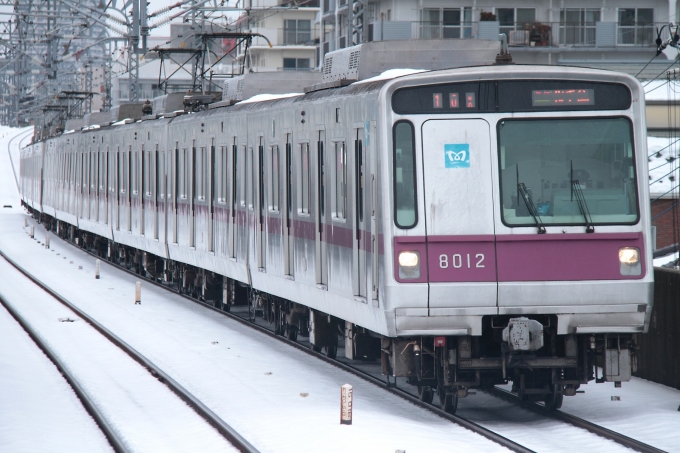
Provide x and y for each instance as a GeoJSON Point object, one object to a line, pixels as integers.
{"type": "Point", "coordinates": [37, 403]}
{"type": "Point", "coordinates": [147, 415]}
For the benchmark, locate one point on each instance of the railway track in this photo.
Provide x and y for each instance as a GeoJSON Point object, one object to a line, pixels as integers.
{"type": "Point", "coordinates": [464, 422]}
{"type": "Point", "coordinates": [238, 441]}
{"type": "Point", "coordinates": [90, 407]}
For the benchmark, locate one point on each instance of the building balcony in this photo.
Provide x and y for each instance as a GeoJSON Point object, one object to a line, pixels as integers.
{"type": "Point", "coordinates": [530, 35]}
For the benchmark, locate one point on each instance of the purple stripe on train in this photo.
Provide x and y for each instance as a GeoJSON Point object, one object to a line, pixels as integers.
{"type": "Point", "coordinates": [521, 257]}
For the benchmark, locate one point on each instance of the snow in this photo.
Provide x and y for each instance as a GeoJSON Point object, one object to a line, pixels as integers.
{"type": "Point", "coordinates": [392, 74]}
{"type": "Point", "coordinates": [269, 97]}
{"type": "Point", "coordinates": [34, 394]}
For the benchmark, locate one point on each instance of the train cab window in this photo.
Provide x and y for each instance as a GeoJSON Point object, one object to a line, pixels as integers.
{"type": "Point", "coordinates": [304, 178]}
{"type": "Point", "coordinates": [404, 177]}
{"type": "Point", "coordinates": [568, 171]}
{"type": "Point", "coordinates": [274, 172]}
{"type": "Point", "coordinates": [340, 181]}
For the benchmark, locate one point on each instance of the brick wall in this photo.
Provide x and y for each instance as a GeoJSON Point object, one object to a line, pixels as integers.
{"type": "Point", "coordinates": [664, 222]}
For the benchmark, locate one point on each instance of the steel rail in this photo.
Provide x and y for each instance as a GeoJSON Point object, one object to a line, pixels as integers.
{"type": "Point", "coordinates": [116, 442]}
{"type": "Point", "coordinates": [465, 423]}
{"type": "Point", "coordinates": [576, 421]}
{"type": "Point", "coordinates": [212, 418]}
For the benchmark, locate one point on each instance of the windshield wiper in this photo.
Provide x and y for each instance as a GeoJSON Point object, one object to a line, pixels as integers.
{"type": "Point", "coordinates": [526, 196]}
{"type": "Point", "coordinates": [581, 200]}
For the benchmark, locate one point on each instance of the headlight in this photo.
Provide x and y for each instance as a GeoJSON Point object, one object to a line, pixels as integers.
{"type": "Point", "coordinates": [629, 255]}
{"type": "Point", "coordinates": [629, 261]}
{"type": "Point", "coordinates": [409, 265]}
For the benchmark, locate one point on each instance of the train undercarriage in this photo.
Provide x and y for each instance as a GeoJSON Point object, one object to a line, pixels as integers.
{"type": "Point", "coordinates": [524, 350]}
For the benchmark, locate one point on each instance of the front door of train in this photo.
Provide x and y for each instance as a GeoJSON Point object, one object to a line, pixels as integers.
{"type": "Point", "coordinates": [459, 218]}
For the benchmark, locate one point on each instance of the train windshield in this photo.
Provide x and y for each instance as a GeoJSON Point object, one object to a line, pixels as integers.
{"type": "Point", "coordinates": [567, 171]}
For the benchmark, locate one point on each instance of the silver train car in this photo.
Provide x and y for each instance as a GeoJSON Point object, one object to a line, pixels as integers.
{"type": "Point", "coordinates": [466, 227]}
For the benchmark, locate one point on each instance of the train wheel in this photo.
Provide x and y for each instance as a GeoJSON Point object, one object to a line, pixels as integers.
{"type": "Point", "coordinates": [553, 400]}
{"type": "Point", "coordinates": [291, 332]}
{"type": "Point", "coordinates": [425, 393]}
{"type": "Point", "coordinates": [447, 402]}
{"type": "Point", "coordinates": [331, 351]}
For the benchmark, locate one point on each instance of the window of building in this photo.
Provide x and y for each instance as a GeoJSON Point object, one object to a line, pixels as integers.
{"type": "Point", "coordinates": [293, 64]}
{"type": "Point", "coordinates": [636, 27]}
{"type": "Point", "coordinates": [446, 23]}
{"type": "Point", "coordinates": [512, 19]}
{"type": "Point", "coordinates": [577, 25]}
{"type": "Point", "coordinates": [297, 32]}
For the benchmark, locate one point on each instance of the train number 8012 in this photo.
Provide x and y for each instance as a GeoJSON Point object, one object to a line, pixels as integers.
{"type": "Point", "coordinates": [458, 261]}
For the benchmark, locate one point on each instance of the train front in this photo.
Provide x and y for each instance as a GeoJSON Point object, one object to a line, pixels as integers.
{"type": "Point", "coordinates": [520, 247]}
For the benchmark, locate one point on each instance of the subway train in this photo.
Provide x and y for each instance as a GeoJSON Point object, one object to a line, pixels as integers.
{"type": "Point", "coordinates": [464, 227]}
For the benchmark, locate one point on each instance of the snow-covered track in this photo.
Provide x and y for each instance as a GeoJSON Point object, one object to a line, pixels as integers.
{"type": "Point", "coordinates": [213, 419]}
{"type": "Point", "coordinates": [577, 421]}
{"type": "Point", "coordinates": [111, 435]}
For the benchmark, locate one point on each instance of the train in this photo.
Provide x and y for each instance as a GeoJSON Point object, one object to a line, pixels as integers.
{"type": "Point", "coordinates": [465, 227]}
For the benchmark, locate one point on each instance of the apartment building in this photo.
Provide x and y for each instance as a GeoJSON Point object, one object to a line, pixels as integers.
{"type": "Point", "coordinates": [609, 34]}
{"type": "Point", "coordinates": [290, 27]}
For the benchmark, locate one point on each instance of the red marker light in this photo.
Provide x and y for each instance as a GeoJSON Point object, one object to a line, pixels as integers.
{"type": "Point", "coordinates": [453, 100]}
{"type": "Point", "coordinates": [437, 100]}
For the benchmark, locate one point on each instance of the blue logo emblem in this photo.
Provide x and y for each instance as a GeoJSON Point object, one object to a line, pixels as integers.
{"type": "Point", "coordinates": [457, 156]}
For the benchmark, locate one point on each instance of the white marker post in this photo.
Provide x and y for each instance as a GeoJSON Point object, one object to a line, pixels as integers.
{"type": "Point", "coordinates": [97, 266]}
{"type": "Point", "coordinates": [32, 233]}
{"type": "Point", "coordinates": [346, 393]}
{"type": "Point", "coordinates": [25, 222]}
{"type": "Point", "coordinates": [47, 241]}
{"type": "Point", "coordinates": [138, 293]}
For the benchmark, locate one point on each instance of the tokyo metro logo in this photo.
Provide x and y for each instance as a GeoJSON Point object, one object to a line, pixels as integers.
{"type": "Point", "coordinates": [457, 155]}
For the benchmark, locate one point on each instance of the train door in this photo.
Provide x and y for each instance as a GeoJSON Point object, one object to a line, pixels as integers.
{"type": "Point", "coordinates": [233, 200]}
{"type": "Point", "coordinates": [288, 238]}
{"type": "Point", "coordinates": [359, 242]}
{"type": "Point", "coordinates": [458, 190]}
{"type": "Point", "coordinates": [261, 229]}
{"type": "Point", "coordinates": [321, 250]}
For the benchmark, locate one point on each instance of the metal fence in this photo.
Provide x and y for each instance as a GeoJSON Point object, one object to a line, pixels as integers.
{"type": "Point", "coordinates": [659, 354]}
{"type": "Point", "coordinates": [521, 34]}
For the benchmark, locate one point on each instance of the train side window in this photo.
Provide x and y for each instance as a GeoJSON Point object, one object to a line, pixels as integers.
{"type": "Point", "coordinates": [181, 177]}
{"type": "Point", "coordinates": [243, 169]}
{"type": "Point", "coordinates": [340, 181]}
{"type": "Point", "coordinates": [135, 188]}
{"type": "Point", "coordinates": [147, 173]}
{"type": "Point", "coordinates": [249, 190]}
{"type": "Point", "coordinates": [201, 163]}
{"type": "Point", "coordinates": [404, 177]}
{"type": "Point", "coordinates": [222, 170]}
{"type": "Point", "coordinates": [274, 172]}
{"type": "Point", "coordinates": [304, 178]}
